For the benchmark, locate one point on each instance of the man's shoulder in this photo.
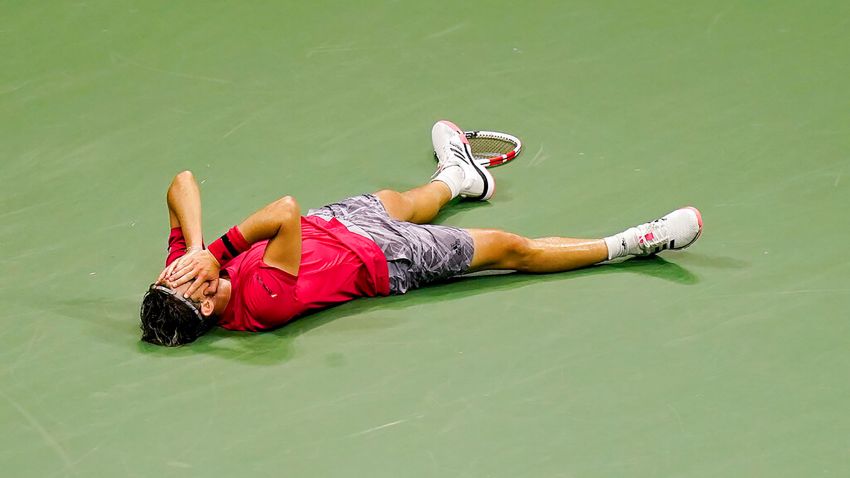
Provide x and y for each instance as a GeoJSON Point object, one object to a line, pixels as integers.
{"type": "Point", "coordinates": [248, 260]}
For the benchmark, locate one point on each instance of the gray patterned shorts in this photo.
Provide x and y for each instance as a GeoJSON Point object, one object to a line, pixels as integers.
{"type": "Point", "coordinates": [417, 254]}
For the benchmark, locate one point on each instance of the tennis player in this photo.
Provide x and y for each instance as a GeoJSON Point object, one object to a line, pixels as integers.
{"type": "Point", "coordinates": [278, 265]}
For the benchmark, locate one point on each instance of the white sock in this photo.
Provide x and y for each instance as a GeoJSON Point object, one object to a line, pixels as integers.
{"type": "Point", "coordinates": [452, 176]}
{"type": "Point", "coordinates": [622, 244]}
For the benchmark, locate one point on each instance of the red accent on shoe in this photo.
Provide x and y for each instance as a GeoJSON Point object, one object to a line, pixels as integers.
{"type": "Point", "coordinates": [456, 128]}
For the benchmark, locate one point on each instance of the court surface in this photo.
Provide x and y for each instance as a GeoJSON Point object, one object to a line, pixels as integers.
{"type": "Point", "coordinates": [729, 359]}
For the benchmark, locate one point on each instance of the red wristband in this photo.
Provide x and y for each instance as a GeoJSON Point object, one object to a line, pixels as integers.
{"type": "Point", "coordinates": [228, 246]}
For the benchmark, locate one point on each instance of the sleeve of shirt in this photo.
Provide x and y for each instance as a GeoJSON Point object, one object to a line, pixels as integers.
{"type": "Point", "coordinates": [176, 246]}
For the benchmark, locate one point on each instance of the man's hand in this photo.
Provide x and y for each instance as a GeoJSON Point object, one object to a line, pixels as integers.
{"type": "Point", "coordinates": [164, 276]}
{"type": "Point", "coordinates": [207, 289]}
{"type": "Point", "coordinates": [199, 266]}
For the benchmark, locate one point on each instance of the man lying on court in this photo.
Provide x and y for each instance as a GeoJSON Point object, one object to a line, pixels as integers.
{"type": "Point", "coordinates": [277, 265]}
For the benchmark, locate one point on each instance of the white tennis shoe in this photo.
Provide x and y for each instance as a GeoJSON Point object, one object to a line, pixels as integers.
{"type": "Point", "coordinates": [676, 230]}
{"type": "Point", "coordinates": [456, 167]}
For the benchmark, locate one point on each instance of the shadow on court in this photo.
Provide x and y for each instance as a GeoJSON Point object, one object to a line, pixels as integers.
{"type": "Point", "coordinates": [278, 346]}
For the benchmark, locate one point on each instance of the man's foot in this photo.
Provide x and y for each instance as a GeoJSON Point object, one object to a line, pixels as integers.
{"type": "Point", "coordinates": [456, 168]}
{"type": "Point", "coordinates": [676, 230]}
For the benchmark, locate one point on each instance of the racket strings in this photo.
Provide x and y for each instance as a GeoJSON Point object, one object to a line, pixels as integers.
{"type": "Point", "coordinates": [489, 147]}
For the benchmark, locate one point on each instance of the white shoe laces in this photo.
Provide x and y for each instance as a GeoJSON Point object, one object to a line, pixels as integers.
{"type": "Point", "coordinates": [454, 155]}
{"type": "Point", "coordinates": [653, 235]}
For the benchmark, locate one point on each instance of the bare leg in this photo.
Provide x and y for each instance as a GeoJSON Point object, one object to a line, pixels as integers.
{"type": "Point", "coordinates": [419, 205]}
{"type": "Point", "coordinates": [502, 250]}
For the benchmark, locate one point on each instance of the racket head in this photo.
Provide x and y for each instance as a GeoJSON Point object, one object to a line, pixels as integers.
{"type": "Point", "coordinates": [493, 148]}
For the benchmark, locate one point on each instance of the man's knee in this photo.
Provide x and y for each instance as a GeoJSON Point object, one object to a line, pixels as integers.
{"type": "Point", "coordinates": [388, 196]}
{"type": "Point", "coordinates": [517, 250]}
{"type": "Point", "coordinates": [397, 205]}
{"type": "Point", "coordinates": [502, 250]}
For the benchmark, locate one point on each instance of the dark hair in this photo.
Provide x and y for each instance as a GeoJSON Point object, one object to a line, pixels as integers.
{"type": "Point", "coordinates": [170, 320]}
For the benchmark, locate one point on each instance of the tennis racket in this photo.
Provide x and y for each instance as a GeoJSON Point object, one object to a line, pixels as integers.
{"type": "Point", "coordinates": [491, 148]}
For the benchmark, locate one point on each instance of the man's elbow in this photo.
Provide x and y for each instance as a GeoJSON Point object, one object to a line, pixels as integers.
{"type": "Point", "coordinates": [287, 208]}
{"type": "Point", "coordinates": [184, 176]}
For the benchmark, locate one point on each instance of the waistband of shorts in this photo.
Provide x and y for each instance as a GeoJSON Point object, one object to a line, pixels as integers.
{"type": "Point", "coordinates": [345, 222]}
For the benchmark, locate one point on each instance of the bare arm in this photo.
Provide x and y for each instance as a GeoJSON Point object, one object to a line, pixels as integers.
{"type": "Point", "coordinates": [184, 208]}
{"type": "Point", "coordinates": [184, 211]}
{"type": "Point", "coordinates": [279, 221]}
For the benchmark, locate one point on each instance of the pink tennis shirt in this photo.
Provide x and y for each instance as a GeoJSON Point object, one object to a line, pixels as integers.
{"type": "Point", "coordinates": [337, 265]}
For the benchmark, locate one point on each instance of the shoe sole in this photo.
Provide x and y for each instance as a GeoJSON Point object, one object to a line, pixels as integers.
{"type": "Point", "coordinates": [489, 182]}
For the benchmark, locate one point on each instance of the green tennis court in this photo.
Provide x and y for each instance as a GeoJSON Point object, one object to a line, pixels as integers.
{"type": "Point", "coordinates": [727, 359]}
